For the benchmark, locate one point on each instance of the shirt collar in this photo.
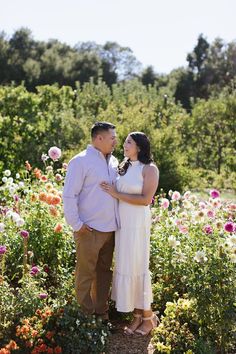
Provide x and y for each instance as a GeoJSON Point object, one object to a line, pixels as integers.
{"type": "Point", "coordinates": [93, 150]}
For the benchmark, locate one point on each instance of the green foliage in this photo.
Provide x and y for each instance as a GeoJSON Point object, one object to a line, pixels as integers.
{"type": "Point", "coordinates": [176, 334]}
{"type": "Point", "coordinates": [210, 133]}
{"type": "Point", "coordinates": [204, 141]}
{"type": "Point", "coordinates": [7, 309]}
{"type": "Point", "coordinates": [27, 296]}
{"type": "Point", "coordinates": [77, 333]}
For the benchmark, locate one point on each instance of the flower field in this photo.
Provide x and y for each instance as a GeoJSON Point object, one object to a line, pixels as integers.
{"type": "Point", "coordinates": [193, 258]}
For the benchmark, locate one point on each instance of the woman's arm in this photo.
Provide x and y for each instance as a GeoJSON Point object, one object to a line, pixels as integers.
{"type": "Point", "coordinates": [150, 183]}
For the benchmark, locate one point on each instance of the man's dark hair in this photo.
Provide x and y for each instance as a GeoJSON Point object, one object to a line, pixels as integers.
{"type": "Point", "coordinates": [100, 127]}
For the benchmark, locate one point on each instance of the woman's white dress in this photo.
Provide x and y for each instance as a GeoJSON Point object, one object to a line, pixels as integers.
{"type": "Point", "coordinates": [131, 285]}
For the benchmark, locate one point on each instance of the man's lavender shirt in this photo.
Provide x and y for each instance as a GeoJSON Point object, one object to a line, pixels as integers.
{"type": "Point", "coordinates": [84, 200]}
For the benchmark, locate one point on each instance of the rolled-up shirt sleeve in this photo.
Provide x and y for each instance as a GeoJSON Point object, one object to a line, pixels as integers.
{"type": "Point", "coordinates": [73, 184]}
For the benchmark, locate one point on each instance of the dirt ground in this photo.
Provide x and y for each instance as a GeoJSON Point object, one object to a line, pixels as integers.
{"type": "Point", "coordinates": [123, 344]}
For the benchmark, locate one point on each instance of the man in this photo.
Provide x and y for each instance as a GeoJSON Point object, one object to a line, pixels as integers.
{"type": "Point", "coordinates": [93, 217]}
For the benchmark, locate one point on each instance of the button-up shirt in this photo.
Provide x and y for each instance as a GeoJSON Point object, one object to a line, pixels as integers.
{"type": "Point", "coordinates": [84, 200]}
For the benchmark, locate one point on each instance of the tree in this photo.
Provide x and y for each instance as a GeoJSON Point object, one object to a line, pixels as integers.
{"type": "Point", "coordinates": [197, 58]}
{"type": "Point", "coordinates": [210, 133]}
{"type": "Point", "coordinates": [196, 63]}
{"type": "Point", "coordinates": [148, 76]}
{"type": "Point", "coordinates": [121, 59]}
{"type": "Point", "coordinates": [181, 82]}
{"type": "Point", "coordinates": [4, 47]}
{"type": "Point", "coordinates": [220, 67]}
{"type": "Point", "coordinates": [212, 66]}
{"type": "Point", "coordinates": [20, 49]}
{"type": "Point", "coordinates": [86, 66]}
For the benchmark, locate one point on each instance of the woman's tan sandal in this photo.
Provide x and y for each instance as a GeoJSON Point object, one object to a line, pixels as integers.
{"type": "Point", "coordinates": [128, 331]}
{"type": "Point", "coordinates": [154, 321]}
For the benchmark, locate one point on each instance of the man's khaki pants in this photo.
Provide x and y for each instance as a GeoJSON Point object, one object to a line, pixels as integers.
{"type": "Point", "coordinates": [94, 251]}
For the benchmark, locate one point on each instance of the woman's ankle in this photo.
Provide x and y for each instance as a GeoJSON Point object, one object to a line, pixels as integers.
{"type": "Point", "coordinates": [147, 313]}
{"type": "Point", "coordinates": [138, 312]}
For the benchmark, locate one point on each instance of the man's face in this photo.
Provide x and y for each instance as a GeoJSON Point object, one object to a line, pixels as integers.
{"type": "Point", "coordinates": [108, 141]}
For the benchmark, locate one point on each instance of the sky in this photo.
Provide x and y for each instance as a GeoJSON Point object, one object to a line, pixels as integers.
{"type": "Point", "coordinates": [160, 32]}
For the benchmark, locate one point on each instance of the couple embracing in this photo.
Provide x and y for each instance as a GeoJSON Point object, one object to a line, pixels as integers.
{"type": "Point", "coordinates": [107, 205]}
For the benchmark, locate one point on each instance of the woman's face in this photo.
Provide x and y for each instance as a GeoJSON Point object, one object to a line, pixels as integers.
{"type": "Point", "coordinates": [130, 148]}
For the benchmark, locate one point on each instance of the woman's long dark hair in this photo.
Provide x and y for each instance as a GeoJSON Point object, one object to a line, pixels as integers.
{"type": "Point", "coordinates": [144, 154]}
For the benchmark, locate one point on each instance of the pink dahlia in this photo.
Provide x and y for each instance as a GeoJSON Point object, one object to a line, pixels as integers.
{"type": "Point", "coordinates": [202, 205]}
{"type": "Point", "coordinates": [164, 203]}
{"type": "Point", "coordinates": [211, 214]}
{"type": "Point", "coordinates": [183, 229]}
{"type": "Point", "coordinates": [54, 152]}
{"type": "Point", "coordinates": [176, 195]}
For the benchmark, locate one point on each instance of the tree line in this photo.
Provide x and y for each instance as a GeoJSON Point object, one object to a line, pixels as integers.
{"type": "Point", "coordinates": [192, 149]}
{"type": "Point", "coordinates": [209, 67]}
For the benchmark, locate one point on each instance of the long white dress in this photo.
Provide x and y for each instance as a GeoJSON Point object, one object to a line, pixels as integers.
{"type": "Point", "coordinates": [131, 285]}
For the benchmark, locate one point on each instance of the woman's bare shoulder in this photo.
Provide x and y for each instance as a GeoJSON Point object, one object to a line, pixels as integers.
{"type": "Point", "coordinates": [151, 169]}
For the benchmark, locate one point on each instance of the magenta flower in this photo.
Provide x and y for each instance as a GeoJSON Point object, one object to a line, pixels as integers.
{"type": "Point", "coordinates": [16, 198]}
{"type": "Point", "coordinates": [208, 229]}
{"type": "Point", "coordinates": [43, 296]}
{"type": "Point", "coordinates": [3, 249]}
{"type": "Point", "coordinates": [229, 226]}
{"type": "Point", "coordinates": [34, 270]}
{"type": "Point", "coordinates": [54, 153]}
{"type": "Point", "coordinates": [214, 193]}
{"type": "Point", "coordinates": [46, 269]}
{"type": "Point", "coordinates": [24, 234]}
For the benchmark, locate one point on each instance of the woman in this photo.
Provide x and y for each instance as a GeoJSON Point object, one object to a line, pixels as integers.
{"type": "Point", "coordinates": [138, 181]}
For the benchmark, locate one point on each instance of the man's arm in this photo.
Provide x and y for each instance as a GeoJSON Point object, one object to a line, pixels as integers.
{"type": "Point", "coordinates": [73, 184]}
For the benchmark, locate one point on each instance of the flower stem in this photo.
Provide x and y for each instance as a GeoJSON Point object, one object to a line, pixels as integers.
{"type": "Point", "coordinates": [25, 255]}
